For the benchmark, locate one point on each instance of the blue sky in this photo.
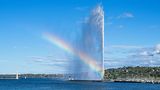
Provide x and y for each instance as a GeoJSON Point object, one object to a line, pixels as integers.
{"type": "Point", "coordinates": [132, 30]}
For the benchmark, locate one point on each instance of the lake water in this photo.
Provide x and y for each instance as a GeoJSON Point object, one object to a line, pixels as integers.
{"type": "Point", "coordinates": [50, 84]}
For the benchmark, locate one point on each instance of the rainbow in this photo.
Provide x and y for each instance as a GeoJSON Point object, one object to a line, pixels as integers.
{"type": "Point", "coordinates": [67, 47]}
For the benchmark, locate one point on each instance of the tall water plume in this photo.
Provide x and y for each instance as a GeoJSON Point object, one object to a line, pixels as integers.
{"type": "Point", "coordinates": [87, 49]}
{"type": "Point", "coordinates": [91, 43]}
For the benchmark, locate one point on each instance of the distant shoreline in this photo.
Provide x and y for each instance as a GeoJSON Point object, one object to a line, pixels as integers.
{"type": "Point", "coordinates": [119, 81]}
{"type": "Point", "coordinates": [151, 82]}
{"type": "Point", "coordinates": [124, 74]}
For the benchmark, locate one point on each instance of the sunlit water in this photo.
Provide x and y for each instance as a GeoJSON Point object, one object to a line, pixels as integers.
{"type": "Point", "coordinates": [50, 84]}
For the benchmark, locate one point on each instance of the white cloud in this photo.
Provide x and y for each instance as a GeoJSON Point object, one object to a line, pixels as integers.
{"type": "Point", "coordinates": [108, 23]}
{"type": "Point", "coordinates": [115, 56]}
{"type": "Point", "coordinates": [126, 15]}
{"type": "Point", "coordinates": [81, 8]}
{"type": "Point", "coordinates": [144, 53]}
{"type": "Point", "coordinates": [55, 63]}
{"type": "Point", "coordinates": [121, 26]}
{"type": "Point", "coordinates": [51, 60]}
{"type": "Point", "coordinates": [113, 19]}
{"type": "Point", "coordinates": [126, 46]}
{"type": "Point", "coordinates": [158, 48]}
{"type": "Point", "coordinates": [128, 55]}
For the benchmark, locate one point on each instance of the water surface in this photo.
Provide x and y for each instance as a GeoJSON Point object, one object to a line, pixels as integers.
{"type": "Point", "coordinates": [50, 84]}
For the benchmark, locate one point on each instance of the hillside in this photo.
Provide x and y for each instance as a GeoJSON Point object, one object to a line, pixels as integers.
{"type": "Point", "coordinates": [133, 74]}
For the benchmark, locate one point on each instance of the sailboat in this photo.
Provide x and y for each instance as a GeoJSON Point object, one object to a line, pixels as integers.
{"type": "Point", "coordinates": [17, 76]}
